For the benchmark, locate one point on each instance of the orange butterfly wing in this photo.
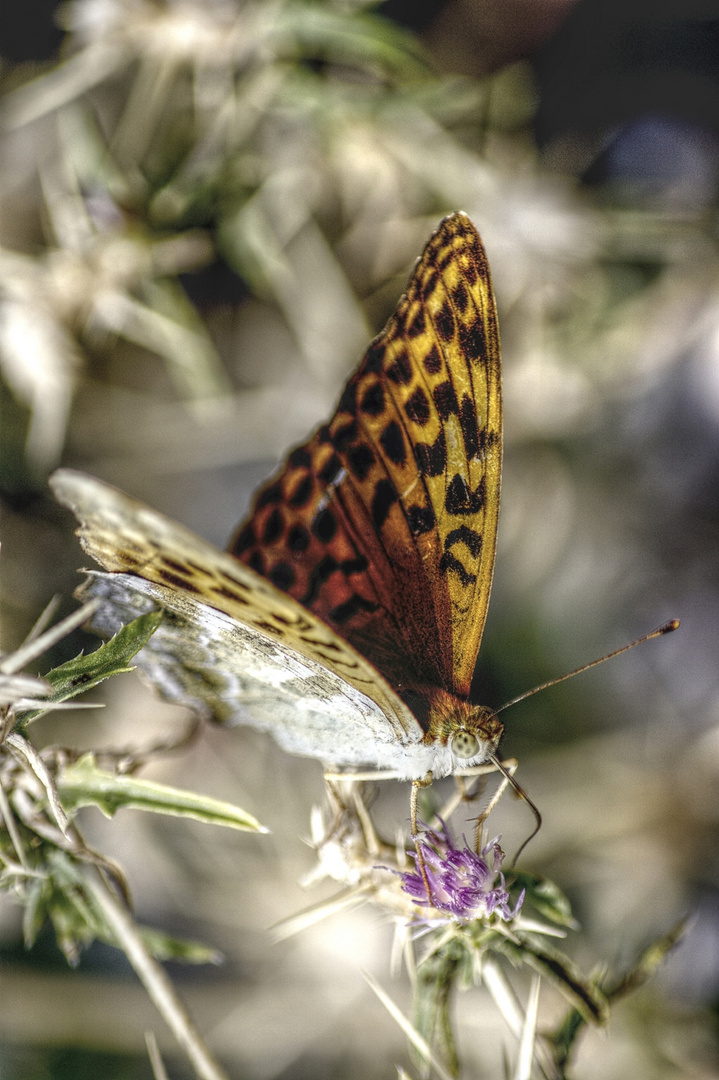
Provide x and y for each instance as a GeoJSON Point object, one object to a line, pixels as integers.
{"type": "Point", "coordinates": [384, 523]}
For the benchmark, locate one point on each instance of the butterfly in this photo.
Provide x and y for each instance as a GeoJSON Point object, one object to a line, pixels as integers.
{"type": "Point", "coordinates": [347, 615]}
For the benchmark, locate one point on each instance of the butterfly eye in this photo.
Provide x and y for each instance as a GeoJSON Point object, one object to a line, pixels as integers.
{"type": "Point", "coordinates": [465, 745]}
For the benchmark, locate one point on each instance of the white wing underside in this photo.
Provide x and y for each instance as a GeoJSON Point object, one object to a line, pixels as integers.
{"type": "Point", "coordinates": [264, 660]}
{"type": "Point", "coordinates": [201, 658]}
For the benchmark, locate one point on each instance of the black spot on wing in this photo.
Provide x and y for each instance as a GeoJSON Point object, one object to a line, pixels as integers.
{"type": "Point", "coordinates": [446, 260]}
{"type": "Point", "coordinates": [356, 604]}
{"type": "Point", "coordinates": [432, 361]}
{"type": "Point", "coordinates": [445, 400]}
{"type": "Point", "coordinates": [487, 440]}
{"type": "Point", "coordinates": [360, 460]}
{"type": "Point", "coordinates": [421, 519]}
{"type": "Point", "coordinates": [444, 322]}
{"type": "Point", "coordinates": [229, 594]}
{"type": "Point", "coordinates": [460, 500]}
{"type": "Point", "coordinates": [471, 272]}
{"type": "Point", "coordinates": [431, 458]}
{"type": "Point", "coordinates": [468, 424]}
{"type": "Point", "coordinates": [384, 497]}
{"type": "Point", "coordinates": [274, 527]}
{"type": "Point", "coordinates": [417, 326]}
{"type": "Point", "coordinates": [179, 582]}
{"type": "Point", "coordinates": [257, 563]}
{"type": "Point", "coordinates": [283, 576]}
{"type": "Point", "coordinates": [460, 297]}
{"type": "Point", "coordinates": [344, 436]}
{"type": "Point", "coordinates": [464, 535]}
{"type": "Point", "coordinates": [196, 566]}
{"type": "Point", "coordinates": [298, 539]}
{"type": "Point", "coordinates": [473, 341]}
{"type": "Point", "coordinates": [417, 407]}
{"type": "Point", "coordinates": [173, 564]}
{"type": "Point", "coordinates": [228, 577]}
{"type": "Point", "coordinates": [348, 402]}
{"type": "Point", "coordinates": [300, 458]}
{"type": "Point", "coordinates": [400, 370]}
{"type": "Point", "coordinates": [393, 444]}
{"type": "Point", "coordinates": [271, 495]}
{"type": "Point", "coordinates": [449, 563]}
{"type": "Point", "coordinates": [429, 284]}
{"type": "Point", "coordinates": [331, 470]}
{"type": "Point", "coordinates": [302, 493]}
{"type": "Point", "coordinates": [324, 526]}
{"type": "Point", "coordinates": [373, 358]}
{"type": "Point", "coordinates": [372, 403]}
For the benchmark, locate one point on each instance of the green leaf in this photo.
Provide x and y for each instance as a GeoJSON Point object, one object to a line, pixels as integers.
{"type": "Point", "coordinates": [433, 996]}
{"type": "Point", "coordinates": [582, 993]}
{"type": "Point", "coordinates": [84, 784]}
{"type": "Point", "coordinates": [647, 962]}
{"type": "Point", "coordinates": [111, 658]}
{"type": "Point", "coordinates": [366, 41]}
{"type": "Point", "coordinates": [34, 911]}
{"type": "Point", "coordinates": [169, 325]}
{"type": "Point", "coordinates": [545, 897]}
{"type": "Point", "coordinates": [60, 897]}
{"type": "Point", "coordinates": [164, 947]}
{"type": "Point", "coordinates": [564, 1039]}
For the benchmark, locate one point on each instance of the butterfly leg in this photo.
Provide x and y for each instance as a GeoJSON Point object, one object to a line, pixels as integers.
{"type": "Point", "coordinates": [470, 793]}
{"type": "Point", "coordinates": [467, 790]}
{"type": "Point", "coordinates": [416, 785]}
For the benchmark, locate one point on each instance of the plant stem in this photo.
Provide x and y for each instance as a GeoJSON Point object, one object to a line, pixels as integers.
{"type": "Point", "coordinates": [153, 978]}
{"type": "Point", "coordinates": [435, 982]}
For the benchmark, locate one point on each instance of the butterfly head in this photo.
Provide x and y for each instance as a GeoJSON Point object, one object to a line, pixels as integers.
{"type": "Point", "coordinates": [475, 733]}
{"type": "Point", "coordinates": [469, 732]}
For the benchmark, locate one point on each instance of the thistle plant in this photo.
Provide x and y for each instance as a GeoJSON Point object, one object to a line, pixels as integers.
{"type": "Point", "coordinates": [47, 867]}
{"type": "Point", "coordinates": [463, 922]}
{"type": "Point", "coordinates": [460, 915]}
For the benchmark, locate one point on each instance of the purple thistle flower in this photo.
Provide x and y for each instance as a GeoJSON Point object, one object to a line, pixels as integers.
{"type": "Point", "coordinates": [461, 882]}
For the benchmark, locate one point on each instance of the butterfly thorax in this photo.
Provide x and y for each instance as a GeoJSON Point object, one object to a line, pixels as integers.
{"type": "Point", "coordinates": [469, 732]}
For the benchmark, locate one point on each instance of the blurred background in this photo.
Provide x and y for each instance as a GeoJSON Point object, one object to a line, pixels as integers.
{"type": "Point", "coordinates": [206, 211]}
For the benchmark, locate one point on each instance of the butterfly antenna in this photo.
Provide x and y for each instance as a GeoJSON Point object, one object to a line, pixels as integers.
{"type": "Point", "coordinates": [667, 628]}
{"type": "Point", "coordinates": [523, 795]}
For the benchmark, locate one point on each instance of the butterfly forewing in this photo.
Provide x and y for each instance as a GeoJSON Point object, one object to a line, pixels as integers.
{"type": "Point", "coordinates": [384, 523]}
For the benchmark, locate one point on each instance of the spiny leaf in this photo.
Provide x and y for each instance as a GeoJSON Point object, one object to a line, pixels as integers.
{"type": "Point", "coordinates": [164, 947]}
{"type": "Point", "coordinates": [545, 897]}
{"type": "Point", "coordinates": [565, 1037]}
{"type": "Point", "coordinates": [584, 995]}
{"type": "Point", "coordinates": [111, 658]}
{"type": "Point", "coordinates": [432, 1000]}
{"type": "Point", "coordinates": [84, 784]}
{"type": "Point", "coordinates": [648, 961]}
{"type": "Point", "coordinates": [60, 897]}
